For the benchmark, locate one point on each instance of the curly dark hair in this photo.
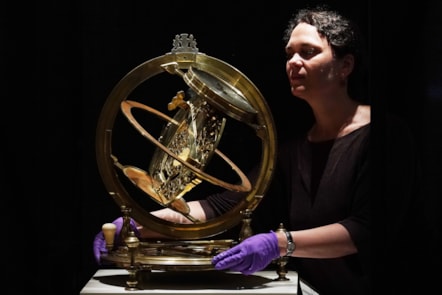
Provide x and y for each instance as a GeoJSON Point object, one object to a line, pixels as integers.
{"type": "Point", "coordinates": [343, 35]}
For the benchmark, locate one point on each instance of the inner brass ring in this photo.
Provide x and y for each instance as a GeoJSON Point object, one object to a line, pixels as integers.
{"type": "Point", "coordinates": [245, 185]}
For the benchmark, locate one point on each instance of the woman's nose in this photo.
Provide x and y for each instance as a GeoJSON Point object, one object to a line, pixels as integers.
{"type": "Point", "coordinates": [296, 60]}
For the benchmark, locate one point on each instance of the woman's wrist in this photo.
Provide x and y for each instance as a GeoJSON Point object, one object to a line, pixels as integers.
{"type": "Point", "coordinates": [286, 243]}
{"type": "Point", "coordinates": [291, 246]}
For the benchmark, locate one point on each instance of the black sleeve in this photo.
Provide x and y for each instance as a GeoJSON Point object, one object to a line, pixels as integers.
{"type": "Point", "coordinates": [219, 203]}
{"type": "Point", "coordinates": [266, 216]}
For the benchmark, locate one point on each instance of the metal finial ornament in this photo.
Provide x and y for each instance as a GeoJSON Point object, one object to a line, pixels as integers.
{"type": "Point", "coordinates": [184, 43]}
{"type": "Point", "coordinates": [246, 228]}
{"type": "Point", "coordinates": [132, 243]}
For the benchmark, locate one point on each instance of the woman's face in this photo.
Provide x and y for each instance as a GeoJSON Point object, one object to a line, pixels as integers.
{"type": "Point", "coordinates": [311, 68]}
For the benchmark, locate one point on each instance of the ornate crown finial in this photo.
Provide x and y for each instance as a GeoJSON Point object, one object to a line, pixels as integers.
{"type": "Point", "coordinates": [184, 43]}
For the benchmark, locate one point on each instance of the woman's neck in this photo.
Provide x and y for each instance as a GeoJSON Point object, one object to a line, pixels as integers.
{"type": "Point", "coordinates": [333, 120]}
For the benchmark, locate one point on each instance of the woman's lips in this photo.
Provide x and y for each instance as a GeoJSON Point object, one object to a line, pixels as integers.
{"type": "Point", "coordinates": [296, 79]}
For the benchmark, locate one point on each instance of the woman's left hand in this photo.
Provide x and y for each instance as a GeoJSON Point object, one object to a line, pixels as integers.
{"type": "Point", "coordinates": [251, 255]}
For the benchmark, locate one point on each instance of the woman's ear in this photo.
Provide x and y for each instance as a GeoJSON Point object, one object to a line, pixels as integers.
{"type": "Point", "coordinates": [347, 65]}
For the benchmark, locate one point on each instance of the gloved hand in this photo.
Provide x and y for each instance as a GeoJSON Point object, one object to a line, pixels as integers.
{"type": "Point", "coordinates": [99, 245]}
{"type": "Point", "coordinates": [251, 255]}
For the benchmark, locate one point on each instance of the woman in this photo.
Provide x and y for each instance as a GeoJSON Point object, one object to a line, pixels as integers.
{"type": "Point", "coordinates": [323, 175]}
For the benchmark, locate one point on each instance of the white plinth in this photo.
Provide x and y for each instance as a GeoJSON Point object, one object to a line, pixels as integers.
{"type": "Point", "coordinates": [113, 282]}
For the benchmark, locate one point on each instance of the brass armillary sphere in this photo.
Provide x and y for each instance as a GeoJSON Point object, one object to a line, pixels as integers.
{"type": "Point", "coordinates": [215, 94]}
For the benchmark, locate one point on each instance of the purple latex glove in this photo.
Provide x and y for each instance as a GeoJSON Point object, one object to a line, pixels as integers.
{"type": "Point", "coordinates": [251, 255]}
{"type": "Point", "coordinates": [99, 245]}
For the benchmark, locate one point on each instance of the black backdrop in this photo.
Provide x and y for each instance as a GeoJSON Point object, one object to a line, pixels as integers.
{"type": "Point", "coordinates": [60, 60]}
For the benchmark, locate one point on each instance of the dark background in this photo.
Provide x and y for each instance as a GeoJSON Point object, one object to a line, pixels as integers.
{"type": "Point", "coordinates": [60, 60]}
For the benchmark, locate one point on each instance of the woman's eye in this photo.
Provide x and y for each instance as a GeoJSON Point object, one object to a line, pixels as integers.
{"type": "Point", "coordinates": [308, 51]}
{"type": "Point", "coordinates": [305, 53]}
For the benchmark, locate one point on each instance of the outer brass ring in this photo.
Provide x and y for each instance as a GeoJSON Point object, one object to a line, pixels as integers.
{"type": "Point", "coordinates": [264, 127]}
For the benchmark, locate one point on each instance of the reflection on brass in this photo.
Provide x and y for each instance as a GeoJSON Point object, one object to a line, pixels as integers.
{"type": "Point", "coordinates": [216, 93]}
{"type": "Point", "coordinates": [171, 255]}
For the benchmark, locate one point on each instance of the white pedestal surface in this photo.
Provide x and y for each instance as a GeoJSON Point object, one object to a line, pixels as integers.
{"type": "Point", "coordinates": [113, 282]}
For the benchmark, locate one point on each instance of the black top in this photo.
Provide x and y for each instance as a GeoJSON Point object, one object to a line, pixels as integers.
{"type": "Point", "coordinates": [377, 199]}
{"type": "Point", "coordinates": [341, 193]}
{"type": "Point", "coordinates": [317, 184]}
